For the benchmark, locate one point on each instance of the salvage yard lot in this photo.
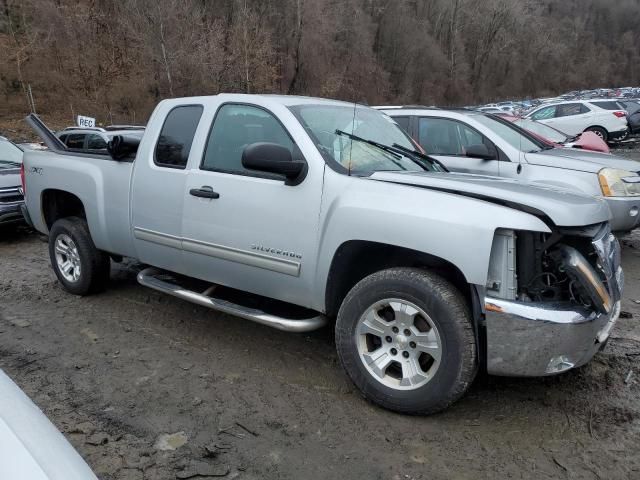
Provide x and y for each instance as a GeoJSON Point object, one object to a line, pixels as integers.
{"type": "Point", "coordinates": [120, 371]}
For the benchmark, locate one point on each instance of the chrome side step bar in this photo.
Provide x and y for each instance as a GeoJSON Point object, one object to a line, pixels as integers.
{"type": "Point", "coordinates": [150, 278]}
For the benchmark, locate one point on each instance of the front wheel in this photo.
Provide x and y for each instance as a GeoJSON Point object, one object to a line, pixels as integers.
{"type": "Point", "coordinates": [80, 267]}
{"type": "Point", "coordinates": [406, 339]}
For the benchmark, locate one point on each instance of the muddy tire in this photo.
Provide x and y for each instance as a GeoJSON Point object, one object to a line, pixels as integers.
{"type": "Point", "coordinates": [601, 132]}
{"type": "Point", "coordinates": [405, 338]}
{"type": "Point", "coordinates": [80, 267]}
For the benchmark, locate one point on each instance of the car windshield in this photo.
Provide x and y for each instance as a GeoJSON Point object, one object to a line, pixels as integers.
{"type": "Point", "coordinates": [545, 131]}
{"type": "Point", "coordinates": [512, 134]}
{"type": "Point", "coordinates": [10, 155]}
{"type": "Point", "coordinates": [359, 140]}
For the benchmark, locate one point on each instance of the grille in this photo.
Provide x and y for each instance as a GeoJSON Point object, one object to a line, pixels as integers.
{"type": "Point", "coordinates": [10, 195]}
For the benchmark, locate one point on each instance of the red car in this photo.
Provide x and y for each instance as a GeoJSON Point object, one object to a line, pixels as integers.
{"type": "Point", "coordinates": [556, 138]}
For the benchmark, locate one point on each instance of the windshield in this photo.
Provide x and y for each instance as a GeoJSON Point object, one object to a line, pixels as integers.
{"type": "Point", "coordinates": [10, 155]}
{"type": "Point", "coordinates": [545, 131]}
{"type": "Point", "coordinates": [512, 134]}
{"type": "Point", "coordinates": [360, 140]}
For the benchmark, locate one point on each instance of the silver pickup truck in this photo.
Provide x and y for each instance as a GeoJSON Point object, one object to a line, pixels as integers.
{"type": "Point", "coordinates": [297, 212]}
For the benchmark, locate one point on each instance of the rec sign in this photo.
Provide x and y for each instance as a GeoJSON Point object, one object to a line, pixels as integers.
{"type": "Point", "coordinates": [86, 121]}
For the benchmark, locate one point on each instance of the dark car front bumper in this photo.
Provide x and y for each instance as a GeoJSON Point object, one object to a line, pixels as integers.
{"type": "Point", "coordinates": [11, 201]}
{"type": "Point", "coordinates": [619, 135]}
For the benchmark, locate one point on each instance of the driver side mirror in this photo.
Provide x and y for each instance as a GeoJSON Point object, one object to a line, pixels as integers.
{"type": "Point", "coordinates": [480, 151]}
{"type": "Point", "coordinates": [274, 158]}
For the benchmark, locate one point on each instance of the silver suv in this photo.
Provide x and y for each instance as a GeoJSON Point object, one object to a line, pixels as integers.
{"type": "Point", "coordinates": [474, 142]}
{"type": "Point", "coordinates": [92, 139]}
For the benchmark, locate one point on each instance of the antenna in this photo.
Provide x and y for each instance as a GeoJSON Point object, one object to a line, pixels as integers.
{"type": "Point", "coordinates": [353, 128]}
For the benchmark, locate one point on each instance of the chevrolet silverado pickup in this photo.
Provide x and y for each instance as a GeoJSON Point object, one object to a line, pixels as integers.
{"type": "Point", "coordinates": [297, 212]}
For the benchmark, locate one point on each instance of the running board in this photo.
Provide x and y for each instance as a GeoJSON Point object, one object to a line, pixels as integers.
{"type": "Point", "coordinates": [149, 278]}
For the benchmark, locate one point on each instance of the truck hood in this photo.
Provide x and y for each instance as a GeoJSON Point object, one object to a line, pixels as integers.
{"type": "Point", "coordinates": [581, 160]}
{"type": "Point", "coordinates": [9, 177]}
{"type": "Point", "coordinates": [553, 205]}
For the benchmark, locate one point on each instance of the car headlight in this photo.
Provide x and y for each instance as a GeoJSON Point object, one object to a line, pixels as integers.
{"type": "Point", "coordinates": [619, 183]}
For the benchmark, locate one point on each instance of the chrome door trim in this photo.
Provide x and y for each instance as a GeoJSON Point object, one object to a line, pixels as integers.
{"type": "Point", "coordinates": [253, 259]}
{"type": "Point", "coordinates": [163, 239]}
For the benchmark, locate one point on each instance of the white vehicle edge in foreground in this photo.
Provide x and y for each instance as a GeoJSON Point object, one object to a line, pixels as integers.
{"type": "Point", "coordinates": [31, 446]}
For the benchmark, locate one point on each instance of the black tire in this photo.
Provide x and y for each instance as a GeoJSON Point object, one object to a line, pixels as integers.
{"type": "Point", "coordinates": [448, 311]}
{"type": "Point", "coordinates": [95, 265]}
{"type": "Point", "coordinates": [601, 132]}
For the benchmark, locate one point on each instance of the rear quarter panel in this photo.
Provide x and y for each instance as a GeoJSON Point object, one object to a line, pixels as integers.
{"type": "Point", "coordinates": [101, 184]}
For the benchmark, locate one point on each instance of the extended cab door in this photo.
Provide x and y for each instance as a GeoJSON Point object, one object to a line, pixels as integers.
{"type": "Point", "coordinates": [446, 140]}
{"type": "Point", "coordinates": [247, 229]}
{"type": "Point", "coordinates": [159, 182]}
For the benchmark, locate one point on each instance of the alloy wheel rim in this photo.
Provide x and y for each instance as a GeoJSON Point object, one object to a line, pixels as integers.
{"type": "Point", "coordinates": [67, 258]}
{"type": "Point", "coordinates": [398, 344]}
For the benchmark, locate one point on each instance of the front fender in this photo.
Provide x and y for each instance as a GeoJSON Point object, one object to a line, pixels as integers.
{"type": "Point", "coordinates": [452, 227]}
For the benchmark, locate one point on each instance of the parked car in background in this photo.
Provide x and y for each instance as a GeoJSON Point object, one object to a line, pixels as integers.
{"type": "Point", "coordinates": [32, 146]}
{"type": "Point", "coordinates": [95, 139]}
{"type": "Point", "coordinates": [556, 138]}
{"type": "Point", "coordinates": [490, 110]}
{"type": "Point", "coordinates": [11, 194]}
{"type": "Point", "coordinates": [577, 116]}
{"type": "Point", "coordinates": [473, 142]}
{"type": "Point", "coordinates": [31, 448]}
{"type": "Point", "coordinates": [327, 211]}
{"type": "Point", "coordinates": [632, 106]}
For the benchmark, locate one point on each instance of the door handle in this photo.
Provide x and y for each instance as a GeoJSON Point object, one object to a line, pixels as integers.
{"type": "Point", "coordinates": [204, 192]}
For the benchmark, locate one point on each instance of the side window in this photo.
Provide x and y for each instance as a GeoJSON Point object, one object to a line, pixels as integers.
{"type": "Point", "coordinates": [75, 140]}
{"type": "Point", "coordinates": [63, 138]}
{"type": "Point", "coordinates": [235, 127]}
{"type": "Point", "coordinates": [584, 108]}
{"type": "Point", "coordinates": [176, 136]}
{"type": "Point", "coordinates": [440, 136]}
{"type": "Point", "coordinates": [468, 136]}
{"type": "Point", "coordinates": [96, 142]}
{"type": "Point", "coordinates": [403, 122]}
{"type": "Point", "coordinates": [569, 109]}
{"type": "Point", "coordinates": [545, 113]}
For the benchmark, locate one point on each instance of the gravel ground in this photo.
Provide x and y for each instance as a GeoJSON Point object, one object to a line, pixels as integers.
{"type": "Point", "coordinates": [146, 386]}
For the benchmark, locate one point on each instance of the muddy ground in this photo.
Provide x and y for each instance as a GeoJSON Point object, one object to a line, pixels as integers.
{"type": "Point", "coordinates": [119, 371]}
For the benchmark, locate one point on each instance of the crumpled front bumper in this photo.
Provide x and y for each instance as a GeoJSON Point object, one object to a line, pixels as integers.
{"type": "Point", "coordinates": [541, 338]}
{"type": "Point", "coordinates": [537, 339]}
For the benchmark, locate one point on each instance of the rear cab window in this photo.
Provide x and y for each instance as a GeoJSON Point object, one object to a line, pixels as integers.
{"type": "Point", "coordinates": [174, 143]}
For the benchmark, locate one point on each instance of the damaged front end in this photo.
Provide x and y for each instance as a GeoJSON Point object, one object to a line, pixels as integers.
{"type": "Point", "coordinates": [551, 299]}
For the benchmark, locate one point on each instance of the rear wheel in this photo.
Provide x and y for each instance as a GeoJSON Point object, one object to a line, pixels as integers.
{"type": "Point", "coordinates": [601, 132]}
{"type": "Point", "coordinates": [406, 339]}
{"type": "Point", "coordinates": [80, 267]}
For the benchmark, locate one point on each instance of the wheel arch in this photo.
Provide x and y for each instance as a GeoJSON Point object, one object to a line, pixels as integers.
{"type": "Point", "coordinates": [356, 259]}
{"type": "Point", "coordinates": [596, 126]}
{"type": "Point", "coordinates": [57, 204]}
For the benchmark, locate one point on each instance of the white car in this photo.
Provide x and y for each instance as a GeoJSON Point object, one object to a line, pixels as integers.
{"type": "Point", "coordinates": [31, 448]}
{"type": "Point", "coordinates": [577, 116]}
